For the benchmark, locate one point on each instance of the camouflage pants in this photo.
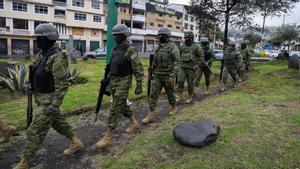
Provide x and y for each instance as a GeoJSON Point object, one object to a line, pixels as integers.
{"type": "Point", "coordinates": [39, 128]}
{"type": "Point", "coordinates": [188, 75]}
{"type": "Point", "coordinates": [157, 83]}
{"type": "Point", "coordinates": [120, 88]}
{"type": "Point", "coordinates": [201, 71]}
{"type": "Point", "coordinates": [233, 73]}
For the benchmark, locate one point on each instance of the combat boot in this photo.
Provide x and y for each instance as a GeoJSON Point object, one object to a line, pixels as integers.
{"type": "Point", "coordinates": [173, 110]}
{"type": "Point", "coordinates": [75, 146]}
{"type": "Point", "coordinates": [23, 164]}
{"type": "Point", "coordinates": [105, 140]}
{"type": "Point", "coordinates": [189, 99]}
{"type": "Point", "coordinates": [179, 97]}
{"type": "Point", "coordinates": [206, 91]}
{"type": "Point", "coordinates": [133, 125]}
{"type": "Point", "coordinates": [7, 133]}
{"type": "Point", "coordinates": [222, 88]}
{"type": "Point", "coordinates": [149, 118]}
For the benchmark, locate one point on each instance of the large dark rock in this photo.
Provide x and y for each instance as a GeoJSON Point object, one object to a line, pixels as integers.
{"type": "Point", "coordinates": [196, 134]}
{"type": "Point", "coordinates": [294, 62]}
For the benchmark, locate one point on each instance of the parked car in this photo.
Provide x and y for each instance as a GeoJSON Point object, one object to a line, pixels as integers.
{"type": "Point", "coordinates": [297, 53]}
{"type": "Point", "coordinates": [264, 53]}
{"type": "Point", "coordinates": [273, 53]}
{"type": "Point", "coordinates": [100, 52]}
{"type": "Point", "coordinates": [218, 54]}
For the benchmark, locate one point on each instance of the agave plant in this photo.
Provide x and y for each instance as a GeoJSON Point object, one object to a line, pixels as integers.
{"type": "Point", "coordinates": [16, 79]}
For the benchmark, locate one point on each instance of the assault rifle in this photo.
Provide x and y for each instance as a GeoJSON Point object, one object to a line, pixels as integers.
{"type": "Point", "coordinates": [103, 84]}
{"type": "Point", "coordinates": [29, 94]}
{"type": "Point", "coordinates": [150, 70]}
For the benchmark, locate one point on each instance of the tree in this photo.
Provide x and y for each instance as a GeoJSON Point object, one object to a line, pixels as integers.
{"type": "Point", "coordinates": [238, 12]}
{"type": "Point", "coordinates": [273, 8]}
{"type": "Point", "coordinates": [252, 38]}
{"type": "Point", "coordinates": [283, 34]}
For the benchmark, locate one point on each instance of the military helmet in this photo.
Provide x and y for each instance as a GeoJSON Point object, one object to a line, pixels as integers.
{"type": "Point", "coordinates": [204, 40]}
{"type": "Point", "coordinates": [188, 34]}
{"type": "Point", "coordinates": [46, 30]}
{"type": "Point", "coordinates": [120, 29]}
{"type": "Point", "coordinates": [164, 31]}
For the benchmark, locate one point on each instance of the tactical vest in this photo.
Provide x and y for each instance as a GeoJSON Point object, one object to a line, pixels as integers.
{"type": "Point", "coordinates": [162, 61]}
{"type": "Point", "coordinates": [43, 81]}
{"type": "Point", "coordinates": [187, 53]}
{"type": "Point", "coordinates": [119, 65]}
{"type": "Point", "coordinates": [230, 58]}
{"type": "Point", "coordinates": [207, 54]}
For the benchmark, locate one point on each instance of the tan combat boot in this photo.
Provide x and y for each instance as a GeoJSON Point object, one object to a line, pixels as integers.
{"type": "Point", "coordinates": [75, 146]}
{"type": "Point", "coordinates": [105, 140]}
{"type": "Point", "coordinates": [23, 164]}
{"type": "Point", "coordinates": [179, 97]}
{"type": "Point", "coordinates": [7, 133]}
{"type": "Point", "coordinates": [133, 125]}
{"type": "Point", "coordinates": [222, 88]}
{"type": "Point", "coordinates": [206, 91]}
{"type": "Point", "coordinates": [173, 110]}
{"type": "Point", "coordinates": [189, 99]}
{"type": "Point", "coordinates": [149, 118]}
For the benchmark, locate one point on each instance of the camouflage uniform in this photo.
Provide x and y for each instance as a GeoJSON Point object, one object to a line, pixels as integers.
{"type": "Point", "coordinates": [165, 65]}
{"type": "Point", "coordinates": [232, 60]}
{"type": "Point", "coordinates": [246, 54]}
{"type": "Point", "coordinates": [120, 86]}
{"type": "Point", "coordinates": [208, 57]}
{"type": "Point", "coordinates": [57, 65]}
{"type": "Point", "coordinates": [190, 58]}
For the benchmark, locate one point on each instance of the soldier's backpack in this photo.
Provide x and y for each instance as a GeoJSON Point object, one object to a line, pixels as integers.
{"type": "Point", "coordinates": [196, 134]}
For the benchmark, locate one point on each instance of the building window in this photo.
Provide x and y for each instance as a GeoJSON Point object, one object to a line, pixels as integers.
{"type": "Point", "coordinates": [80, 16]}
{"type": "Point", "coordinates": [169, 26]}
{"type": "Point", "coordinates": [61, 28]}
{"type": "Point", "coordinates": [160, 25]}
{"type": "Point", "coordinates": [1, 4]}
{"type": "Point", "coordinates": [151, 24]}
{"type": "Point", "coordinates": [2, 22]}
{"type": "Point", "coordinates": [186, 26]}
{"type": "Point", "coordinates": [191, 27]}
{"type": "Point", "coordinates": [97, 18]}
{"type": "Point", "coordinates": [41, 9]}
{"type": "Point", "coordinates": [20, 47]}
{"type": "Point", "coordinates": [59, 13]}
{"type": "Point", "coordinates": [178, 18]}
{"type": "Point", "coordinates": [36, 23]}
{"type": "Point", "coordinates": [192, 19]}
{"type": "Point", "coordinates": [186, 17]}
{"type": "Point", "coordinates": [79, 3]}
{"type": "Point", "coordinates": [96, 4]}
{"type": "Point", "coordinates": [177, 27]}
{"type": "Point", "coordinates": [20, 24]}
{"type": "Point", "coordinates": [18, 6]}
{"type": "Point", "coordinates": [123, 9]}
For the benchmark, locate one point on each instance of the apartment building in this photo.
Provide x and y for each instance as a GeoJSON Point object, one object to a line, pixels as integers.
{"type": "Point", "coordinates": [189, 22]}
{"type": "Point", "coordinates": [80, 20]}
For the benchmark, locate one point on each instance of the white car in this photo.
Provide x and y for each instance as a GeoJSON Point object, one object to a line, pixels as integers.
{"type": "Point", "coordinates": [295, 53]}
{"type": "Point", "coordinates": [100, 52]}
{"type": "Point", "coordinates": [273, 53]}
{"type": "Point", "coordinates": [218, 54]}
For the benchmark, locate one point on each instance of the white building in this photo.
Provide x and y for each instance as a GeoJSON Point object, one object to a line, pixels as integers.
{"type": "Point", "coordinates": [83, 19]}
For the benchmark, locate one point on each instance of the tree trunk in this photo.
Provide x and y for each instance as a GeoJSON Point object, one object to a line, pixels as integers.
{"type": "Point", "coordinates": [226, 31]}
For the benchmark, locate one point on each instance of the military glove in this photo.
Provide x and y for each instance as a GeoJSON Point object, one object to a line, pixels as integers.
{"type": "Point", "coordinates": [53, 110]}
{"type": "Point", "coordinates": [138, 89]}
{"type": "Point", "coordinates": [172, 80]}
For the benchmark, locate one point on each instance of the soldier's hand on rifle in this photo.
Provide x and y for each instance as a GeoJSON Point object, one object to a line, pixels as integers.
{"type": "Point", "coordinates": [139, 88]}
{"type": "Point", "coordinates": [53, 108]}
{"type": "Point", "coordinates": [172, 80]}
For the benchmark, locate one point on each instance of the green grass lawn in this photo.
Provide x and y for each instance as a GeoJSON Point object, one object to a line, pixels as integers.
{"type": "Point", "coordinates": [260, 128]}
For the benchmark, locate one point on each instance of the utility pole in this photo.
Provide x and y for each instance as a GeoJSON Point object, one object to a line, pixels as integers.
{"type": "Point", "coordinates": [111, 22]}
{"type": "Point", "coordinates": [131, 20]}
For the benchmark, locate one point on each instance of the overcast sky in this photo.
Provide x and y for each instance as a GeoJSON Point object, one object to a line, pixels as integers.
{"type": "Point", "coordinates": [290, 18]}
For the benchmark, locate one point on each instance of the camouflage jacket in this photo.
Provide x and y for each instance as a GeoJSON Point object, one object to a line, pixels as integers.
{"type": "Point", "coordinates": [191, 56]}
{"type": "Point", "coordinates": [166, 60]}
{"type": "Point", "coordinates": [57, 64]}
{"type": "Point", "coordinates": [246, 55]}
{"type": "Point", "coordinates": [232, 58]}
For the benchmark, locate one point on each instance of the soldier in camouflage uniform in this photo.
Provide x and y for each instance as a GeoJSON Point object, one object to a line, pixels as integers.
{"type": "Point", "coordinates": [191, 55]}
{"type": "Point", "coordinates": [231, 61]}
{"type": "Point", "coordinates": [50, 85]}
{"type": "Point", "coordinates": [7, 132]}
{"type": "Point", "coordinates": [165, 68]}
{"type": "Point", "coordinates": [124, 63]}
{"type": "Point", "coordinates": [246, 54]}
{"type": "Point", "coordinates": [205, 66]}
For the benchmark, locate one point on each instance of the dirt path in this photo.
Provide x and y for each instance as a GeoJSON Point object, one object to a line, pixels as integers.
{"type": "Point", "coordinates": [50, 155]}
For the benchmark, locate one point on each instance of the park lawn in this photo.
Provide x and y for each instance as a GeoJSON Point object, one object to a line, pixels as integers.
{"type": "Point", "coordinates": [260, 128]}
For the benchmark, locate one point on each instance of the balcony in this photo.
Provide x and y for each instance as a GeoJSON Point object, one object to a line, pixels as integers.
{"type": "Point", "coordinates": [21, 32]}
{"type": "Point", "coordinates": [140, 18]}
{"type": "Point", "coordinates": [62, 3]}
{"type": "Point", "coordinates": [138, 31]}
{"type": "Point", "coordinates": [139, 6]}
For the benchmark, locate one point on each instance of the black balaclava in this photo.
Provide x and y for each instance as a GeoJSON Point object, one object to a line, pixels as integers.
{"type": "Point", "coordinates": [205, 45]}
{"type": "Point", "coordinates": [119, 38]}
{"type": "Point", "coordinates": [188, 41]}
{"type": "Point", "coordinates": [44, 43]}
{"type": "Point", "coordinates": [163, 38]}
